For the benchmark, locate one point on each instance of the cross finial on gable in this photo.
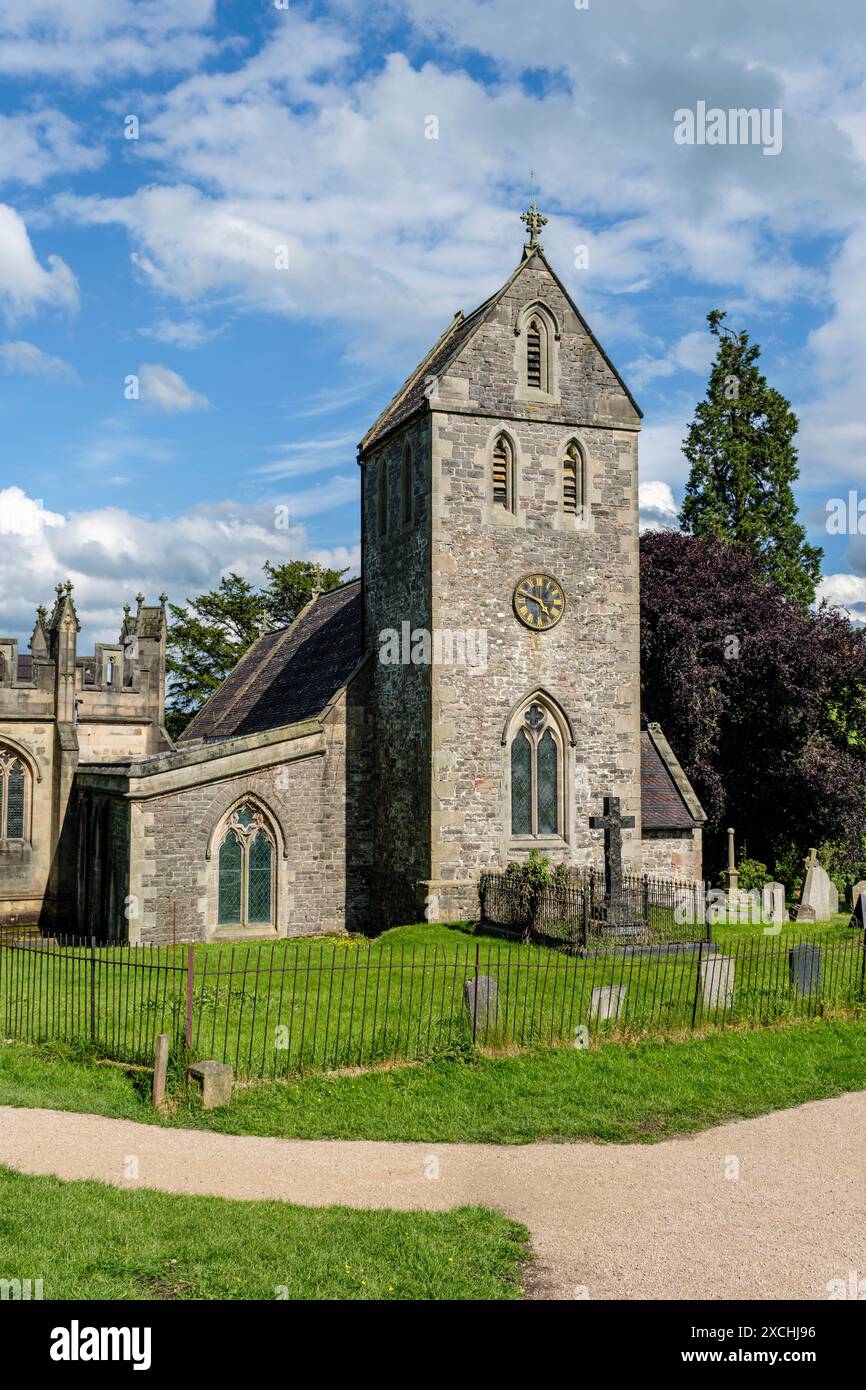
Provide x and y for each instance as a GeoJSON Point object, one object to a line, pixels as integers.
{"type": "Point", "coordinates": [534, 222]}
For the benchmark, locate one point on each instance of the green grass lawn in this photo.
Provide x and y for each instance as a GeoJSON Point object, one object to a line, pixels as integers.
{"type": "Point", "coordinates": [276, 1009]}
{"type": "Point", "coordinates": [614, 1092]}
{"type": "Point", "coordinates": [87, 1240]}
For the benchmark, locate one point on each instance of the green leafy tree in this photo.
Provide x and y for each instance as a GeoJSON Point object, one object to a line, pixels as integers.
{"type": "Point", "coordinates": [208, 637]}
{"type": "Point", "coordinates": [743, 466]}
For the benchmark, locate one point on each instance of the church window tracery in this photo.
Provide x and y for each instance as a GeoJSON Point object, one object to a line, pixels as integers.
{"type": "Point", "coordinates": [536, 775]}
{"type": "Point", "coordinates": [14, 796]}
{"type": "Point", "coordinates": [245, 870]}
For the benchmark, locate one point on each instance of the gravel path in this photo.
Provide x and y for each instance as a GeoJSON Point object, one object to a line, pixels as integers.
{"type": "Point", "coordinates": [607, 1221]}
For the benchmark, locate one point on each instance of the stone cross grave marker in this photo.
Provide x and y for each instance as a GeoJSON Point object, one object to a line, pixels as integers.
{"type": "Point", "coordinates": [613, 823]}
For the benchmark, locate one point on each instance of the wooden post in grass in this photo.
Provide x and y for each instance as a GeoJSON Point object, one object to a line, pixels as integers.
{"type": "Point", "coordinates": [160, 1068]}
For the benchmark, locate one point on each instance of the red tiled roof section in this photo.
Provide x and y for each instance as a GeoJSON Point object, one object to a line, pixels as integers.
{"type": "Point", "coordinates": [662, 807]}
{"type": "Point", "coordinates": [290, 675]}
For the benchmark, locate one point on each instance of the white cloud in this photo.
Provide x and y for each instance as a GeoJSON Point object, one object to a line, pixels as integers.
{"type": "Point", "coordinates": [833, 438]}
{"type": "Point", "coordinates": [87, 39]}
{"type": "Point", "coordinates": [162, 389]}
{"type": "Point", "coordinates": [110, 554]}
{"type": "Point", "coordinates": [20, 356]}
{"type": "Point", "coordinates": [285, 149]}
{"type": "Point", "coordinates": [37, 145]}
{"type": "Point", "coordinates": [25, 285]}
{"type": "Point", "coordinates": [310, 456]}
{"type": "Point", "coordinates": [658, 509]}
{"type": "Point", "coordinates": [693, 353]}
{"type": "Point", "coordinates": [187, 333]}
{"type": "Point", "coordinates": [660, 449]}
{"type": "Point", "coordinates": [845, 591]}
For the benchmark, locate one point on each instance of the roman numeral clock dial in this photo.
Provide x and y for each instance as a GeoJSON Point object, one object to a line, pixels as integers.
{"type": "Point", "coordinates": [539, 602]}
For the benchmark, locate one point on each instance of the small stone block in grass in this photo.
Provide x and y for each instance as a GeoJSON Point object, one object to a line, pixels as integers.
{"type": "Point", "coordinates": [214, 1080]}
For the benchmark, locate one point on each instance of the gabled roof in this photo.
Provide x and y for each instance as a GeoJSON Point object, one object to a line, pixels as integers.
{"type": "Point", "coordinates": [290, 675]}
{"type": "Point", "coordinates": [412, 398]}
{"type": "Point", "coordinates": [668, 800]}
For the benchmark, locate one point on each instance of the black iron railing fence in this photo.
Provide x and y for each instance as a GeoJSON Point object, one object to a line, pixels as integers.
{"type": "Point", "coordinates": [578, 914]}
{"type": "Point", "coordinates": [281, 1009]}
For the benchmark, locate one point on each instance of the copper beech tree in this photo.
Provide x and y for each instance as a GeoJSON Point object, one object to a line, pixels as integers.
{"type": "Point", "coordinates": [764, 701]}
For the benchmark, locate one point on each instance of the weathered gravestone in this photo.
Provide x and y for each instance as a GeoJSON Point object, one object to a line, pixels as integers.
{"type": "Point", "coordinates": [804, 966]}
{"type": "Point", "coordinates": [774, 902]}
{"type": "Point", "coordinates": [214, 1080]}
{"type": "Point", "coordinates": [820, 899]}
{"type": "Point", "coordinates": [481, 997]}
{"type": "Point", "coordinates": [717, 981]}
{"type": "Point", "coordinates": [857, 892]}
{"type": "Point", "coordinates": [607, 1003]}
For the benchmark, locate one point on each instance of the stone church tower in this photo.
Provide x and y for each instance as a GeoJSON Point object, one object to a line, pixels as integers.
{"type": "Point", "coordinates": [500, 517]}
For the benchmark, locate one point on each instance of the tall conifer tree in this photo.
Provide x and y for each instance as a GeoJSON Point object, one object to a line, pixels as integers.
{"type": "Point", "coordinates": [743, 466]}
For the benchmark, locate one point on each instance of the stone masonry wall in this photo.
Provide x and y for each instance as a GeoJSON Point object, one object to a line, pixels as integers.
{"type": "Point", "coordinates": [590, 661]}
{"type": "Point", "coordinates": [397, 585]}
{"type": "Point", "coordinates": [305, 799]}
{"type": "Point", "coordinates": [673, 854]}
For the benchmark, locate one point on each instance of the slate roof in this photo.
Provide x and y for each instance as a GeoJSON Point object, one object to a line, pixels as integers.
{"type": "Point", "coordinates": [290, 675]}
{"type": "Point", "coordinates": [662, 805]}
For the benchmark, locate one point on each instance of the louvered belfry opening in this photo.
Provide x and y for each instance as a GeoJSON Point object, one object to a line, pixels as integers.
{"type": "Point", "coordinates": [533, 355]}
{"type": "Point", "coordinates": [502, 473]}
{"type": "Point", "coordinates": [572, 481]}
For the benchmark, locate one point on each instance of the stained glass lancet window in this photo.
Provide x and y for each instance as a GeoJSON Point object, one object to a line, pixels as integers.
{"type": "Point", "coordinates": [245, 871]}
{"type": "Point", "coordinates": [536, 776]}
{"type": "Point", "coordinates": [14, 786]}
{"type": "Point", "coordinates": [259, 880]}
{"type": "Point", "coordinates": [231, 863]}
{"type": "Point", "coordinates": [521, 785]}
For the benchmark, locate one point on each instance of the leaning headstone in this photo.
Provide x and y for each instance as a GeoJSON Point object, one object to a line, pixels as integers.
{"type": "Point", "coordinates": [804, 966]}
{"type": "Point", "coordinates": [774, 902]}
{"type": "Point", "coordinates": [214, 1080]}
{"type": "Point", "coordinates": [160, 1068]}
{"type": "Point", "coordinates": [607, 1003]}
{"type": "Point", "coordinates": [481, 997]}
{"type": "Point", "coordinates": [819, 899]}
{"type": "Point", "coordinates": [857, 892]}
{"type": "Point", "coordinates": [717, 981]}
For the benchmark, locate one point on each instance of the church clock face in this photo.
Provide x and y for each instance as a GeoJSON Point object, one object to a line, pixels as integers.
{"type": "Point", "coordinates": [539, 602]}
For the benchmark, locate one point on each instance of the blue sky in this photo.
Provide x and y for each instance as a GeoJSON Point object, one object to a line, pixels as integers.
{"type": "Point", "coordinates": [301, 135]}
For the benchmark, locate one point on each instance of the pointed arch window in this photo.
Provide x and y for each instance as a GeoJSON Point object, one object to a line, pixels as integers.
{"type": "Point", "coordinates": [536, 776]}
{"type": "Point", "coordinates": [245, 871]}
{"type": "Point", "coordinates": [504, 490]}
{"type": "Point", "coordinates": [14, 796]}
{"type": "Point", "coordinates": [535, 354]}
{"type": "Point", "coordinates": [406, 487]}
{"type": "Point", "coordinates": [573, 481]}
{"type": "Point", "coordinates": [382, 499]}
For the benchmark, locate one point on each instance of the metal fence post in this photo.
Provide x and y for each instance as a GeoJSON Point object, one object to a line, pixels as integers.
{"type": "Point", "coordinates": [475, 1009]}
{"type": "Point", "coordinates": [93, 989]}
{"type": "Point", "coordinates": [190, 985]}
{"type": "Point", "coordinates": [697, 982]}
